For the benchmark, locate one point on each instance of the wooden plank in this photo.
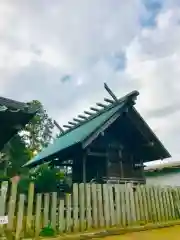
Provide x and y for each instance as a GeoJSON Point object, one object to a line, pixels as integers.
{"type": "Point", "coordinates": [46, 210]}
{"type": "Point", "coordinates": [100, 206]}
{"type": "Point", "coordinates": [75, 208]}
{"type": "Point", "coordinates": [128, 205]}
{"type": "Point", "coordinates": [117, 204]}
{"type": "Point", "coordinates": [137, 206]}
{"type": "Point", "coordinates": [61, 216]}
{"type": "Point", "coordinates": [3, 193]}
{"type": "Point", "coordinates": [20, 214]}
{"type": "Point", "coordinates": [144, 203]}
{"type": "Point", "coordinates": [160, 200]}
{"type": "Point", "coordinates": [111, 204]}
{"type": "Point", "coordinates": [140, 203]}
{"type": "Point", "coordinates": [172, 203]}
{"type": "Point", "coordinates": [12, 206]}
{"type": "Point", "coordinates": [156, 199]}
{"type": "Point", "coordinates": [153, 205]}
{"type": "Point", "coordinates": [123, 205]}
{"type": "Point", "coordinates": [178, 201]}
{"type": "Point", "coordinates": [148, 203]}
{"type": "Point", "coordinates": [168, 204]}
{"type": "Point", "coordinates": [88, 206]}
{"type": "Point", "coordinates": [53, 210]}
{"type": "Point", "coordinates": [106, 205]}
{"type": "Point", "coordinates": [30, 207]}
{"type": "Point", "coordinates": [68, 213]}
{"type": "Point", "coordinates": [38, 214]}
{"type": "Point", "coordinates": [94, 205]}
{"type": "Point", "coordinates": [164, 204]}
{"type": "Point", "coordinates": [82, 206]}
{"type": "Point", "coordinates": [132, 203]}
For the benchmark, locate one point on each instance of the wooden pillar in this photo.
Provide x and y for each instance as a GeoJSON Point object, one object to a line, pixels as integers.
{"type": "Point", "coordinates": [84, 168]}
{"type": "Point", "coordinates": [121, 164]}
{"type": "Point", "coordinates": [107, 164]}
{"type": "Point", "coordinates": [142, 171]}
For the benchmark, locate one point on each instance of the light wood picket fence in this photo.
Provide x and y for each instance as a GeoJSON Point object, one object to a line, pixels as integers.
{"type": "Point", "coordinates": [90, 206]}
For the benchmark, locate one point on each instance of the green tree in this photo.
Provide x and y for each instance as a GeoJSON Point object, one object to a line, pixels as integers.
{"type": "Point", "coordinates": [14, 155]}
{"type": "Point", "coordinates": [45, 179]}
{"type": "Point", "coordinates": [38, 132]}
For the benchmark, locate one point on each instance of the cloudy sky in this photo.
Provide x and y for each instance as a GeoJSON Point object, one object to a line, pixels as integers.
{"type": "Point", "coordinates": [61, 51]}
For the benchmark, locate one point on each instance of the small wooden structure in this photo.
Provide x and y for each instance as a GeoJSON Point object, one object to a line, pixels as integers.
{"type": "Point", "coordinates": [14, 116]}
{"type": "Point", "coordinates": [111, 141]}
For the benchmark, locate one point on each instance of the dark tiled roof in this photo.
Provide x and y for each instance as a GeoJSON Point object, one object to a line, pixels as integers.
{"type": "Point", "coordinates": [14, 116]}
{"type": "Point", "coordinates": [15, 105]}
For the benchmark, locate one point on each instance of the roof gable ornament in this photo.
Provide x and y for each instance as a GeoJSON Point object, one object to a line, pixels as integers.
{"type": "Point", "coordinates": [89, 114]}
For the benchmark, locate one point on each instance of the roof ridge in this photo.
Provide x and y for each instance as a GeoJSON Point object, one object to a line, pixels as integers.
{"type": "Point", "coordinates": [131, 97]}
{"type": "Point", "coordinates": [17, 105]}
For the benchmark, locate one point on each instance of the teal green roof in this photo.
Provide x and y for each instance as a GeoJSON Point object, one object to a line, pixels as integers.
{"type": "Point", "coordinates": [76, 135]}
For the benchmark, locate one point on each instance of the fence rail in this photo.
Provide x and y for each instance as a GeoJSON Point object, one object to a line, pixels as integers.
{"type": "Point", "coordinates": [90, 206]}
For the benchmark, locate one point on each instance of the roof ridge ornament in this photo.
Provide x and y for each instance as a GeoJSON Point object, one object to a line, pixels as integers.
{"type": "Point", "coordinates": [110, 92]}
{"type": "Point", "coordinates": [94, 111]}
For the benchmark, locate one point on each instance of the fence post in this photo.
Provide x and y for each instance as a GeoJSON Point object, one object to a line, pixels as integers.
{"type": "Point", "coordinates": [3, 192]}
{"type": "Point", "coordinates": [94, 205]}
{"type": "Point", "coordinates": [82, 205]}
{"type": "Point", "coordinates": [20, 214]}
{"type": "Point", "coordinates": [68, 212]}
{"type": "Point", "coordinates": [106, 205]}
{"type": "Point", "coordinates": [46, 209]}
{"type": "Point", "coordinates": [75, 207]}
{"type": "Point", "coordinates": [12, 206]}
{"type": "Point", "coordinates": [61, 216]}
{"type": "Point", "coordinates": [117, 203]}
{"type": "Point", "coordinates": [30, 207]}
{"type": "Point", "coordinates": [111, 194]}
{"type": "Point", "coordinates": [53, 210]}
{"type": "Point", "coordinates": [38, 215]}
{"type": "Point", "coordinates": [130, 207]}
{"type": "Point", "coordinates": [88, 206]}
{"type": "Point", "coordinates": [100, 205]}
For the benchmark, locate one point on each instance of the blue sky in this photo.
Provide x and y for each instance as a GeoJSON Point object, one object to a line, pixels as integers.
{"type": "Point", "coordinates": [153, 8]}
{"type": "Point", "coordinates": [62, 51]}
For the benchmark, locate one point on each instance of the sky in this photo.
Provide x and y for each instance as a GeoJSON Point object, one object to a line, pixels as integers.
{"type": "Point", "coordinates": [62, 51]}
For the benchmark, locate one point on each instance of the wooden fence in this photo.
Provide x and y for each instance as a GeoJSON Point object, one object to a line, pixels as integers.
{"type": "Point", "coordinates": [90, 206]}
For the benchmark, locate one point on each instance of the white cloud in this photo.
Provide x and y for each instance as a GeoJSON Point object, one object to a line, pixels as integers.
{"type": "Point", "coordinates": [153, 59]}
{"type": "Point", "coordinates": [43, 41]}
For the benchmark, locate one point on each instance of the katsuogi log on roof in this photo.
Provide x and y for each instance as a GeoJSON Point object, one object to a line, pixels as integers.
{"type": "Point", "coordinates": [118, 114]}
{"type": "Point", "coordinates": [14, 116]}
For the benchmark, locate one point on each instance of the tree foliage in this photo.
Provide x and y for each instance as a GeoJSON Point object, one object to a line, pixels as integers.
{"type": "Point", "coordinates": [38, 132]}
{"type": "Point", "coordinates": [45, 179]}
{"type": "Point", "coordinates": [14, 155]}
